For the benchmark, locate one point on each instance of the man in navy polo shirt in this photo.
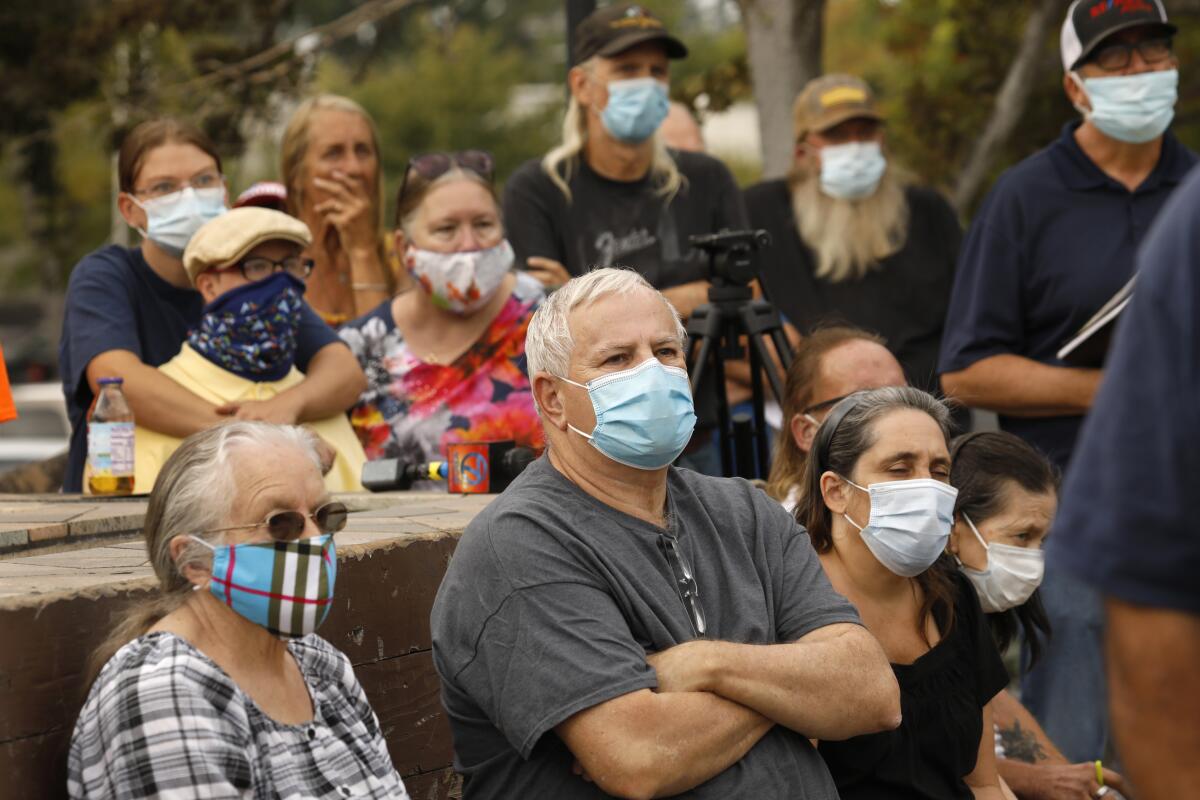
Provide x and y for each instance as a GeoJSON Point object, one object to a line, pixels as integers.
{"type": "Point", "coordinates": [1052, 242]}
{"type": "Point", "coordinates": [1127, 524]}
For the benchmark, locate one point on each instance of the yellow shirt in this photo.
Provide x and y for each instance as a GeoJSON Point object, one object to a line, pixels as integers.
{"type": "Point", "coordinates": [204, 378]}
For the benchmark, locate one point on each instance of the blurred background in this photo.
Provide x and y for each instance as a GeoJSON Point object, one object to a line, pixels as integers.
{"type": "Point", "coordinates": [969, 86]}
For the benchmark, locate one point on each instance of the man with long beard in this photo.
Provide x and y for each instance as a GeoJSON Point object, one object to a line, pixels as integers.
{"type": "Point", "coordinates": [853, 242]}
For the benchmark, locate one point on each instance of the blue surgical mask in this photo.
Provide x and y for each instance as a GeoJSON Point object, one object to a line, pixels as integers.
{"type": "Point", "coordinates": [852, 171]}
{"type": "Point", "coordinates": [172, 220]}
{"type": "Point", "coordinates": [910, 523]}
{"type": "Point", "coordinates": [1131, 108]}
{"type": "Point", "coordinates": [644, 415]}
{"type": "Point", "coordinates": [286, 587]}
{"type": "Point", "coordinates": [636, 107]}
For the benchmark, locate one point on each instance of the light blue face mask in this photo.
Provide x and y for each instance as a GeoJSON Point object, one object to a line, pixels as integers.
{"type": "Point", "coordinates": [172, 220]}
{"type": "Point", "coordinates": [644, 415]}
{"type": "Point", "coordinates": [853, 170]}
{"type": "Point", "coordinates": [1131, 108]}
{"type": "Point", "coordinates": [636, 107]}
{"type": "Point", "coordinates": [909, 524]}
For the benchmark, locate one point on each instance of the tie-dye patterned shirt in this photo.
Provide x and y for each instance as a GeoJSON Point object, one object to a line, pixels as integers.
{"type": "Point", "coordinates": [413, 408]}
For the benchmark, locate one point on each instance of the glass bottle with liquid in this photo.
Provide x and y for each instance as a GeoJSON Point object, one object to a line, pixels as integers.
{"type": "Point", "coordinates": [110, 442]}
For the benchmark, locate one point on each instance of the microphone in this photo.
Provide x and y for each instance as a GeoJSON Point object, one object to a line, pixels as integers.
{"type": "Point", "coordinates": [470, 468]}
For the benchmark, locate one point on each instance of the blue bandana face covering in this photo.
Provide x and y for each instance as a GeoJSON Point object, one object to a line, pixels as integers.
{"type": "Point", "coordinates": [286, 587]}
{"type": "Point", "coordinates": [251, 330]}
{"type": "Point", "coordinates": [636, 107]}
{"type": "Point", "coordinates": [1131, 108]}
{"type": "Point", "coordinates": [644, 415]}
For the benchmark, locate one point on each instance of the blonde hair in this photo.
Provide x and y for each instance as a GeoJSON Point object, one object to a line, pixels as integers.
{"type": "Point", "coordinates": [294, 148]}
{"type": "Point", "coordinates": [565, 157]}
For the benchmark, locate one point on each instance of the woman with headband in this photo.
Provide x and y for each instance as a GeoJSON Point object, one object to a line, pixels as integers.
{"type": "Point", "coordinates": [877, 502]}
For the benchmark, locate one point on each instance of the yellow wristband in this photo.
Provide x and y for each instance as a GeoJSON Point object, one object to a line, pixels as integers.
{"type": "Point", "coordinates": [1099, 772]}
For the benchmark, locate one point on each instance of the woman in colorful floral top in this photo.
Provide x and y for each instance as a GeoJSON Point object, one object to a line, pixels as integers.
{"type": "Point", "coordinates": [445, 360]}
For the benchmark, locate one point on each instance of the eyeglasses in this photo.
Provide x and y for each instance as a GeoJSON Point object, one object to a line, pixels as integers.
{"type": "Point", "coordinates": [257, 267]}
{"type": "Point", "coordinates": [1117, 56]}
{"type": "Point", "coordinates": [287, 525]}
{"type": "Point", "coordinates": [685, 581]}
{"type": "Point", "coordinates": [205, 180]}
{"type": "Point", "coordinates": [824, 404]}
{"type": "Point", "coordinates": [432, 166]}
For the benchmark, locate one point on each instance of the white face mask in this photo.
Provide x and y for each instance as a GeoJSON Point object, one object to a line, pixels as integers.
{"type": "Point", "coordinates": [910, 523]}
{"type": "Point", "coordinates": [461, 282]}
{"type": "Point", "coordinates": [1012, 574]}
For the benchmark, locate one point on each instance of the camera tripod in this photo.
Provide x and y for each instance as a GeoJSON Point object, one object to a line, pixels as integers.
{"type": "Point", "coordinates": [717, 329]}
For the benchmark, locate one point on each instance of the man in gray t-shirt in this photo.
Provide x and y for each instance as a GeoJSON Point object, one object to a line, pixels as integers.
{"type": "Point", "coordinates": [614, 625]}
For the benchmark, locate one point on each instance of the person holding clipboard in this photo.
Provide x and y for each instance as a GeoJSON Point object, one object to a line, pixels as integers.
{"type": "Point", "coordinates": [1055, 240]}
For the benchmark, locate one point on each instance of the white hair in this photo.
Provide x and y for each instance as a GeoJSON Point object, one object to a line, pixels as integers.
{"type": "Point", "coordinates": [574, 134]}
{"type": "Point", "coordinates": [548, 341]}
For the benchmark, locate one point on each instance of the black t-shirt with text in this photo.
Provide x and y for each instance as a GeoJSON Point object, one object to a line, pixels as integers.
{"type": "Point", "coordinates": [622, 223]}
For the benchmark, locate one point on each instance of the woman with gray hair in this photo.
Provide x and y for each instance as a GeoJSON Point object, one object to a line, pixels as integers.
{"type": "Point", "coordinates": [218, 686]}
{"type": "Point", "coordinates": [445, 359]}
{"type": "Point", "coordinates": [877, 502]}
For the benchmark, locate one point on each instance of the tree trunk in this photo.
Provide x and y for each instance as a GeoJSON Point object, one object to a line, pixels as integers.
{"type": "Point", "coordinates": [783, 40]}
{"type": "Point", "coordinates": [1009, 104]}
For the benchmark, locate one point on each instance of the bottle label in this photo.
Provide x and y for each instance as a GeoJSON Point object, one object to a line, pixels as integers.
{"type": "Point", "coordinates": [110, 448]}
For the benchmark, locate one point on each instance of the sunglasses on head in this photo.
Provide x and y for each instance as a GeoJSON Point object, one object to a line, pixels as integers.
{"type": "Point", "coordinates": [432, 166]}
{"type": "Point", "coordinates": [288, 525]}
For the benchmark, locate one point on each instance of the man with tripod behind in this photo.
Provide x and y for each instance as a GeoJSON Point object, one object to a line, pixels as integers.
{"type": "Point", "coordinates": [612, 193]}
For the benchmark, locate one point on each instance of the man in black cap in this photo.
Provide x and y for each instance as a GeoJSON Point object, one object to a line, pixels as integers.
{"type": "Point", "coordinates": [1053, 241]}
{"type": "Point", "coordinates": [612, 194]}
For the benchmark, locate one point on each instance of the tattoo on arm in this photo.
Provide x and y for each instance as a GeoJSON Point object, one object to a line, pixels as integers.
{"type": "Point", "coordinates": [1020, 744]}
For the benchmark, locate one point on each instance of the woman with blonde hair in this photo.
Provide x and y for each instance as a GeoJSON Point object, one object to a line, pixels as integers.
{"type": "Point", "coordinates": [334, 178]}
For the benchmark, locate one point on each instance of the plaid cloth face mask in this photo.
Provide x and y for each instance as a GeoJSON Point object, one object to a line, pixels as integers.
{"type": "Point", "coordinates": [286, 587]}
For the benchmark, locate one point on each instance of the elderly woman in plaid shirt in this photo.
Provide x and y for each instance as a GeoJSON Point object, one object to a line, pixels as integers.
{"type": "Point", "coordinates": [219, 687]}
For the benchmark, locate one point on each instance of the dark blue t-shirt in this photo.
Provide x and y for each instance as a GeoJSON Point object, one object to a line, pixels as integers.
{"type": "Point", "coordinates": [1125, 523]}
{"type": "Point", "coordinates": [1053, 241]}
{"type": "Point", "coordinates": [116, 302]}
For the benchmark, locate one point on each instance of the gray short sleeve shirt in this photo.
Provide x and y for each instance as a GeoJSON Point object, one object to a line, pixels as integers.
{"type": "Point", "coordinates": [553, 600]}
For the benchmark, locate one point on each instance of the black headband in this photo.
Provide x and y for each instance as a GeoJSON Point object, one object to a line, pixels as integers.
{"type": "Point", "coordinates": [829, 427]}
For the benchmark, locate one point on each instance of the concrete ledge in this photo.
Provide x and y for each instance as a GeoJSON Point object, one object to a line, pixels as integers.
{"type": "Point", "coordinates": [57, 607]}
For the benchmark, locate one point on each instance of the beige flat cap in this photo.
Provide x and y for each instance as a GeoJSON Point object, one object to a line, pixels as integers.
{"type": "Point", "coordinates": [223, 241]}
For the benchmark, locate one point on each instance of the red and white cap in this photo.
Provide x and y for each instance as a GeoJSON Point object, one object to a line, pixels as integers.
{"type": "Point", "coordinates": [1089, 22]}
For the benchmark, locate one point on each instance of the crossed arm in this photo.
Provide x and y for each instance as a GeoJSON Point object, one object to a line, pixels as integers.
{"type": "Point", "coordinates": [715, 700]}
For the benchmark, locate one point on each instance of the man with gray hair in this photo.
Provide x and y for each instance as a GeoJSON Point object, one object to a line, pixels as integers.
{"type": "Point", "coordinates": [615, 625]}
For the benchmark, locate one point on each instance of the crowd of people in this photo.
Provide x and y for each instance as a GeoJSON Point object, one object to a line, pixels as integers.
{"type": "Point", "coordinates": [614, 624]}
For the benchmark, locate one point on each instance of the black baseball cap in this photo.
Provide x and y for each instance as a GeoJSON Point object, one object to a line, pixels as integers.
{"type": "Point", "coordinates": [1089, 22]}
{"type": "Point", "coordinates": [612, 30]}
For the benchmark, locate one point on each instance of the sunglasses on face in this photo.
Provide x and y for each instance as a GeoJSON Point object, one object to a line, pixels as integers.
{"type": "Point", "coordinates": [685, 581]}
{"type": "Point", "coordinates": [432, 166]}
{"type": "Point", "coordinates": [285, 526]}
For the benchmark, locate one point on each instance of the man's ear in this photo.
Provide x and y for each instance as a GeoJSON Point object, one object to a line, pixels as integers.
{"type": "Point", "coordinates": [1075, 93]}
{"type": "Point", "coordinates": [803, 432]}
{"type": "Point", "coordinates": [580, 83]}
{"type": "Point", "coordinates": [835, 493]}
{"type": "Point", "coordinates": [547, 393]}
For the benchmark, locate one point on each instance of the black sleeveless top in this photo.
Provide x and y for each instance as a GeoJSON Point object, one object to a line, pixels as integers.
{"type": "Point", "coordinates": [942, 695]}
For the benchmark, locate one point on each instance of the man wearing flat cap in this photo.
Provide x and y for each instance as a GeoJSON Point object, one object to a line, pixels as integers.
{"type": "Point", "coordinates": [1053, 241]}
{"type": "Point", "coordinates": [612, 193]}
{"type": "Point", "coordinates": [853, 240]}
{"type": "Point", "coordinates": [246, 265]}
